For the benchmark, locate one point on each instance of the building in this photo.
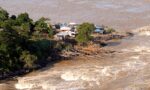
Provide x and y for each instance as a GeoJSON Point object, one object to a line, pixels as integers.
{"type": "Point", "coordinates": [99, 29]}
{"type": "Point", "coordinates": [63, 34]}
{"type": "Point", "coordinates": [66, 30]}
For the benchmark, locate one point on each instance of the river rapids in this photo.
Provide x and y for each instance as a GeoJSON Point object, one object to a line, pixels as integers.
{"type": "Point", "coordinates": [125, 69]}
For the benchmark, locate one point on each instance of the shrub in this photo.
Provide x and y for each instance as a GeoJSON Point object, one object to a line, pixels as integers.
{"type": "Point", "coordinates": [84, 33]}
{"type": "Point", "coordinates": [28, 59]}
{"type": "Point", "coordinates": [109, 30]}
{"type": "Point", "coordinates": [3, 14]}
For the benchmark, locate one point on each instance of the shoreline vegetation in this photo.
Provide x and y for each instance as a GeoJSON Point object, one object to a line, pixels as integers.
{"type": "Point", "coordinates": [27, 45]}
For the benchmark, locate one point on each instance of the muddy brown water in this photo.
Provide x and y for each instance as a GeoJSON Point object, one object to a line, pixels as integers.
{"type": "Point", "coordinates": [125, 69]}
{"type": "Point", "coordinates": [119, 14]}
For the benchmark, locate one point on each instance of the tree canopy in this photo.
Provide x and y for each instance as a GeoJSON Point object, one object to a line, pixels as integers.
{"type": "Point", "coordinates": [18, 50]}
{"type": "Point", "coordinates": [84, 32]}
{"type": "Point", "coordinates": [3, 14]}
{"type": "Point", "coordinates": [42, 27]}
{"type": "Point", "coordinates": [23, 18]}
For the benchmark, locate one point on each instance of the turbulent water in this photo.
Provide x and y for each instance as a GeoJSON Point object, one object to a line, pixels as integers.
{"type": "Point", "coordinates": [125, 69]}
{"type": "Point", "coordinates": [120, 14]}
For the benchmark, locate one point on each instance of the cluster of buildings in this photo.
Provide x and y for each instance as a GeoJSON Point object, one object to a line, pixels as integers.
{"type": "Point", "coordinates": [70, 30]}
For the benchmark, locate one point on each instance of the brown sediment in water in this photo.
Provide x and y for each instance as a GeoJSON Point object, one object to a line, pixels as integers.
{"type": "Point", "coordinates": [122, 67]}
{"type": "Point", "coordinates": [127, 68]}
{"type": "Point", "coordinates": [121, 15]}
{"type": "Point", "coordinates": [7, 86]}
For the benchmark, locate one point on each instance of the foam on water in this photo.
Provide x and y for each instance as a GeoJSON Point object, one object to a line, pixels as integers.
{"type": "Point", "coordinates": [96, 74]}
{"type": "Point", "coordinates": [140, 43]}
{"type": "Point", "coordinates": [138, 49]}
{"type": "Point", "coordinates": [144, 31]}
{"type": "Point", "coordinates": [80, 77]}
{"type": "Point", "coordinates": [85, 76]}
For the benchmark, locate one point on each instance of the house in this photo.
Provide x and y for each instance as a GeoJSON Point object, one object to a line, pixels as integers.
{"type": "Point", "coordinates": [66, 30]}
{"type": "Point", "coordinates": [99, 29]}
{"type": "Point", "coordinates": [73, 26]}
{"type": "Point", "coordinates": [63, 34]}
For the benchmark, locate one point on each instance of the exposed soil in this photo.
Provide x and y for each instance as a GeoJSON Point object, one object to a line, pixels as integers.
{"type": "Point", "coordinates": [122, 67]}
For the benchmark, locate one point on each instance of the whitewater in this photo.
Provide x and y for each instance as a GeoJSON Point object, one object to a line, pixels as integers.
{"type": "Point", "coordinates": [125, 69]}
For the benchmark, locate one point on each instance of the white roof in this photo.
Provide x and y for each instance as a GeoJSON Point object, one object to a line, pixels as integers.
{"type": "Point", "coordinates": [65, 33]}
{"type": "Point", "coordinates": [65, 28]}
{"type": "Point", "coordinates": [72, 23]}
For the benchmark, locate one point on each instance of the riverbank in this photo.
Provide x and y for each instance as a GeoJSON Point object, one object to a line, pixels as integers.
{"type": "Point", "coordinates": [7, 82]}
{"type": "Point", "coordinates": [126, 68]}
{"type": "Point", "coordinates": [91, 49]}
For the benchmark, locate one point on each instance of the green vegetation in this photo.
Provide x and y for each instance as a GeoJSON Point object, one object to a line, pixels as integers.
{"type": "Point", "coordinates": [18, 50]}
{"type": "Point", "coordinates": [27, 45]}
{"type": "Point", "coordinates": [42, 27]}
{"type": "Point", "coordinates": [84, 33]}
{"type": "Point", "coordinates": [3, 15]}
{"type": "Point", "coordinates": [109, 30]}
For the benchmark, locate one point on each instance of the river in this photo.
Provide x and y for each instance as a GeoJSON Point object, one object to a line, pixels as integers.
{"type": "Point", "coordinates": [119, 14]}
{"type": "Point", "coordinates": [127, 68]}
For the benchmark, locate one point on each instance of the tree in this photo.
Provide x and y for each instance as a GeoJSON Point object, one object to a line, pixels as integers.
{"type": "Point", "coordinates": [18, 50]}
{"type": "Point", "coordinates": [42, 27]}
{"type": "Point", "coordinates": [28, 59]}
{"type": "Point", "coordinates": [25, 29]}
{"type": "Point", "coordinates": [9, 22]}
{"type": "Point", "coordinates": [13, 17]}
{"type": "Point", "coordinates": [9, 49]}
{"type": "Point", "coordinates": [3, 14]}
{"type": "Point", "coordinates": [84, 32]}
{"type": "Point", "coordinates": [24, 24]}
{"type": "Point", "coordinates": [109, 30]}
{"type": "Point", "coordinates": [23, 18]}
